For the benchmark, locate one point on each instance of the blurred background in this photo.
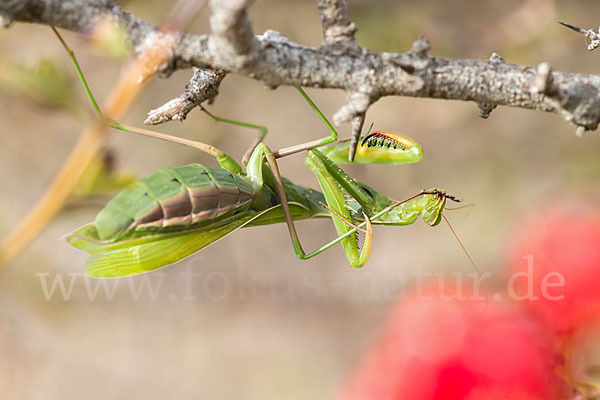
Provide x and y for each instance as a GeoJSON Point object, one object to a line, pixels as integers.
{"type": "Point", "coordinates": [244, 318]}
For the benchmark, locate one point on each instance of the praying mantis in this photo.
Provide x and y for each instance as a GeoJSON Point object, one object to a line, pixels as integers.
{"type": "Point", "coordinates": [176, 212]}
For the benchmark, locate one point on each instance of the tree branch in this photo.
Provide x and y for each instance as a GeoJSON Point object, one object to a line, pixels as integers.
{"type": "Point", "coordinates": [365, 76]}
{"type": "Point", "coordinates": [232, 42]}
{"type": "Point", "coordinates": [203, 86]}
{"type": "Point", "coordinates": [338, 32]}
{"type": "Point", "coordinates": [337, 27]}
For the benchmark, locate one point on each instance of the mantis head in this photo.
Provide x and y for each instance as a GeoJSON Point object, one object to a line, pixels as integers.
{"type": "Point", "coordinates": [429, 204]}
{"type": "Point", "coordinates": [434, 203]}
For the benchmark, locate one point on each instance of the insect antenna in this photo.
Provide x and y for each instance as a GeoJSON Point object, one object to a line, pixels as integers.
{"type": "Point", "coordinates": [487, 298]}
{"type": "Point", "coordinates": [459, 207]}
{"type": "Point", "coordinates": [462, 246]}
{"type": "Point", "coordinates": [465, 215]}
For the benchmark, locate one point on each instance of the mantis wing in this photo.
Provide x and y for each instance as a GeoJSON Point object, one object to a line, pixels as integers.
{"type": "Point", "coordinates": [146, 253]}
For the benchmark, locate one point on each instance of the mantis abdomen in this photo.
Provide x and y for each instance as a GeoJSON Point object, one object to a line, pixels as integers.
{"type": "Point", "coordinates": [174, 197]}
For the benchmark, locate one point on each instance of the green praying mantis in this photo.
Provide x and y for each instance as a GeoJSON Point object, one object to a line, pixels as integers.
{"type": "Point", "coordinates": [176, 212]}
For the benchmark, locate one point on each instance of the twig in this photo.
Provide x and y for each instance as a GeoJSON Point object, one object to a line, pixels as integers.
{"type": "Point", "coordinates": [337, 27]}
{"type": "Point", "coordinates": [588, 33]}
{"type": "Point", "coordinates": [203, 86]}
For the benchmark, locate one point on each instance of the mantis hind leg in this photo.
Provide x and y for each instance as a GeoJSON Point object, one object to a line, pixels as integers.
{"type": "Point", "coordinates": [262, 132]}
{"type": "Point", "coordinates": [332, 137]}
{"type": "Point", "coordinates": [223, 158]}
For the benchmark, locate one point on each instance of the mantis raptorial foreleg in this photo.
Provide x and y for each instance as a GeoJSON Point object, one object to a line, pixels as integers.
{"type": "Point", "coordinates": [335, 197]}
{"type": "Point", "coordinates": [335, 201]}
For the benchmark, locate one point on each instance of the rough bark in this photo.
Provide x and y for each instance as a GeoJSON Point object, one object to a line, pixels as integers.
{"type": "Point", "coordinates": [232, 47]}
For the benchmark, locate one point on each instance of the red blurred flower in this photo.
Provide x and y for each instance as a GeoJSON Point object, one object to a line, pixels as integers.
{"type": "Point", "coordinates": [559, 247]}
{"type": "Point", "coordinates": [453, 349]}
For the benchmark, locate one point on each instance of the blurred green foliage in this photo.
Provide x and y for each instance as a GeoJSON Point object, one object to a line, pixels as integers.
{"type": "Point", "coordinates": [43, 83]}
